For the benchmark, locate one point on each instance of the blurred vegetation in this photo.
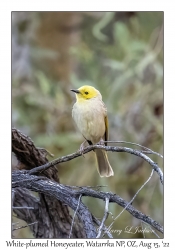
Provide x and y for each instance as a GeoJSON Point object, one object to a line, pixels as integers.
{"type": "Point", "coordinates": [120, 54]}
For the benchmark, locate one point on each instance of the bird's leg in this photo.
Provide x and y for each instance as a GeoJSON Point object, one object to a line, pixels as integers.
{"type": "Point", "coordinates": [82, 146]}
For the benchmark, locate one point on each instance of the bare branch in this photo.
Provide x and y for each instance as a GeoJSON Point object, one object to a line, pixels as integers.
{"type": "Point", "coordinates": [104, 217]}
{"type": "Point", "coordinates": [70, 197]}
{"type": "Point", "coordinates": [148, 150]}
{"type": "Point", "coordinates": [74, 215]}
{"type": "Point", "coordinates": [98, 223]}
{"type": "Point", "coordinates": [58, 191]}
{"type": "Point", "coordinates": [92, 147]}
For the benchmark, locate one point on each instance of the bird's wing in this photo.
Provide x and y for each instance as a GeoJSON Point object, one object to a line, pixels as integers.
{"type": "Point", "coordinates": [106, 130]}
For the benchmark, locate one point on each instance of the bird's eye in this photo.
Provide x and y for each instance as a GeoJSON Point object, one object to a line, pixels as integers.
{"type": "Point", "coordinates": [86, 93]}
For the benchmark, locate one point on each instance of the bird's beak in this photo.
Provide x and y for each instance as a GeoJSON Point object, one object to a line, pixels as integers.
{"type": "Point", "coordinates": [75, 90]}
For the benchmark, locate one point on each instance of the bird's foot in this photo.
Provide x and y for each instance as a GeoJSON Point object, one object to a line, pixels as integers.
{"type": "Point", "coordinates": [82, 146]}
{"type": "Point", "coordinates": [101, 142]}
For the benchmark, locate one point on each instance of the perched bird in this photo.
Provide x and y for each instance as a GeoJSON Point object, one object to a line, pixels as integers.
{"type": "Point", "coordinates": [90, 115]}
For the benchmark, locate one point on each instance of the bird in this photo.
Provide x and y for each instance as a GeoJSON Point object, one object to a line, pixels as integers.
{"type": "Point", "coordinates": [90, 115]}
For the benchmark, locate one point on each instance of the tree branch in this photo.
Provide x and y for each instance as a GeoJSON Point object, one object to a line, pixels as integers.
{"type": "Point", "coordinates": [59, 192]}
{"type": "Point", "coordinates": [74, 215]}
{"type": "Point", "coordinates": [98, 223]}
{"type": "Point", "coordinates": [147, 150]}
{"type": "Point", "coordinates": [71, 198]}
{"type": "Point", "coordinates": [92, 147]}
{"type": "Point", "coordinates": [106, 212]}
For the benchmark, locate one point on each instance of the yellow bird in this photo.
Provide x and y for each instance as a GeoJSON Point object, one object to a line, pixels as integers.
{"type": "Point", "coordinates": [90, 114]}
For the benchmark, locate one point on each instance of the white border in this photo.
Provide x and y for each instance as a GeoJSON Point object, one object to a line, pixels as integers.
{"type": "Point", "coordinates": [5, 94]}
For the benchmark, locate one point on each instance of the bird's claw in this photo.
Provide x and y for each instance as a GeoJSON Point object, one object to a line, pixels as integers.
{"type": "Point", "coordinates": [101, 142]}
{"type": "Point", "coordinates": [82, 149]}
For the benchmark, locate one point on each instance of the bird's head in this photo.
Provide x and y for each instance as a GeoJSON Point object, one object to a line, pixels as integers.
{"type": "Point", "coordinates": [86, 92]}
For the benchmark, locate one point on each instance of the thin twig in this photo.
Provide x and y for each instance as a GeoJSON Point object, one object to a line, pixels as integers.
{"type": "Point", "coordinates": [151, 151]}
{"type": "Point", "coordinates": [98, 223]}
{"type": "Point", "coordinates": [74, 215]}
{"type": "Point", "coordinates": [25, 226]}
{"type": "Point", "coordinates": [152, 230]}
{"type": "Point", "coordinates": [104, 217]}
{"type": "Point", "coordinates": [110, 226]}
{"type": "Point", "coordinates": [146, 152]}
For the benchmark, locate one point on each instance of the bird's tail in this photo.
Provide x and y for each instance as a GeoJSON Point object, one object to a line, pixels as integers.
{"type": "Point", "coordinates": [104, 167]}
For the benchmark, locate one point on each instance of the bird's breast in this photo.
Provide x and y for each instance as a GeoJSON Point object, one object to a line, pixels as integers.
{"type": "Point", "coordinates": [89, 117]}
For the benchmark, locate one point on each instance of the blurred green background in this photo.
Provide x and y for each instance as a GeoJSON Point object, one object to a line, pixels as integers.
{"type": "Point", "coordinates": [120, 54]}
